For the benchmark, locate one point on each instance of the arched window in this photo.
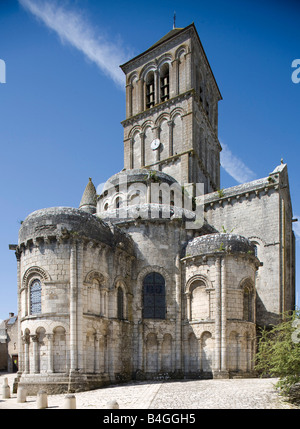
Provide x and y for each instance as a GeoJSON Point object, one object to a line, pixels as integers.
{"type": "Point", "coordinates": [164, 83]}
{"type": "Point", "coordinates": [199, 301]}
{"type": "Point", "coordinates": [118, 202]}
{"type": "Point", "coordinates": [120, 303]}
{"type": "Point", "coordinates": [35, 297]}
{"type": "Point", "coordinates": [154, 296]}
{"type": "Point", "coordinates": [150, 92]}
{"type": "Point", "coordinates": [248, 304]}
{"type": "Point", "coordinates": [255, 248]}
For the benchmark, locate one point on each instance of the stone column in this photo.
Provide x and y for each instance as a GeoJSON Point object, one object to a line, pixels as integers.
{"type": "Point", "coordinates": [217, 363]}
{"type": "Point", "coordinates": [142, 137]}
{"type": "Point", "coordinates": [73, 307]}
{"type": "Point", "coordinates": [50, 353]}
{"type": "Point", "coordinates": [159, 353]}
{"type": "Point", "coordinates": [141, 97]}
{"type": "Point", "coordinates": [171, 125]}
{"type": "Point", "coordinates": [144, 353]}
{"type": "Point", "coordinates": [200, 348]}
{"type": "Point", "coordinates": [19, 285]}
{"type": "Point", "coordinates": [111, 339]}
{"type": "Point", "coordinates": [102, 351]}
{"type": "Point", "coordinates": [140, 363]}
{"type": "Point", "coordinates": [128, 100]}
{"type": "Point", "coordinates": [34, 368]}
{"type": "Point", "coordinates": [97, 353]}
{"type": "Point", "coordinates": [224, 317]}
{"type": "Point", "coordinates": [156, 87]}
{"type": "Point", "coordinates": [188, 305]}
{"type": "Point", "coordinates": [186, 357]}
{"type": "Point", "coordinates": [174, 87]}
{"type": "Point", "coordinates": [80, 346]}
{"type": "Point", "coordinates": [131, 155]}
{"type": "Point", "coordinates": [188, 68]}
{"type": "Point", "coordinates": [178, 329]}
{"type": "Point", "coordinates": [26, 367]}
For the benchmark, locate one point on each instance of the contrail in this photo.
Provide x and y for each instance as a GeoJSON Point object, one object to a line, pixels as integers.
{"type": "Point", "coordinates": [73, 29]}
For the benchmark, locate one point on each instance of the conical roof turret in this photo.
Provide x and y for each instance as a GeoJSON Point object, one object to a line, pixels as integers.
{"type": "Point", "coordinates": [88, 201]}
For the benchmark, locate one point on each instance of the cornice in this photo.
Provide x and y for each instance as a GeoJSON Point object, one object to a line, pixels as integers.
{"type": "Point", "coordinates": [157, 108]}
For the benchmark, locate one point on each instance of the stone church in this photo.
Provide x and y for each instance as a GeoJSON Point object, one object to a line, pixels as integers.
{"type": "Point", "coordinates": [164, 274]}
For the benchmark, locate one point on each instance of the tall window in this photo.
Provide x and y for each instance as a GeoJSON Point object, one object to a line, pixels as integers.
{"type": "Point", "coordinates": [154, 296]}
{"type": "Point", "coordinates": [164, 83]}
{"type": "Point", "coordinates": [207, 108]}
{"type": "Point", "coordinates": [201, 94]}
{"type": "Point", "coordinates": [247, 304]}
{"type": "Point", "coordinates": [120, 299]}
{"type": "Point", "coordinates": [150, 93]}
{"type": "Point", "coordinates": [118, 202]}
{"type": "Point", "coordinates": [35, 297]}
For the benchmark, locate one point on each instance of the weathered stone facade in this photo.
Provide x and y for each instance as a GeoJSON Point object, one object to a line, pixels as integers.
{"type": "Point", "coordinates": [9, 344]}
{"type": "Point", "coordinates": [126, 286]}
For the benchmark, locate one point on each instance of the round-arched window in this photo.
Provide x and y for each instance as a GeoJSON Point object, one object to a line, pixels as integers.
{"type": "Point", "coordinates": [154, 296]}
{"type": "Point", "coordinates": [35, 297]}
{"type": "Point", "coordinates": [120, 303]}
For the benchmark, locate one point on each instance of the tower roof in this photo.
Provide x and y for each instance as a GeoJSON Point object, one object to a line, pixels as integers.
{"type": "Point", "coordinates": [88, 201]}
{"type": "Point", "coordinates": [170, 35]}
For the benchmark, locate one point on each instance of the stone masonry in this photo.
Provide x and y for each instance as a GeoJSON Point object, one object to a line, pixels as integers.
{"type": "Point", "coordinates": [152, 279]}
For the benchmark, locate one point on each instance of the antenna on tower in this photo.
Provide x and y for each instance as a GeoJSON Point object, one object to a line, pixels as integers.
{"type": "Point", "coordinates": [174, 20]}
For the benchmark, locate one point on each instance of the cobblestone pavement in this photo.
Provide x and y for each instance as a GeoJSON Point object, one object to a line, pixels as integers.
{"type": "Point", "coordinates": [253, 393]}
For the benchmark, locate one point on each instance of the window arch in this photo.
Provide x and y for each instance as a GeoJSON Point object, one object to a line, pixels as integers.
{"type": "Point", "coordinates": [248, 300]}
{"type": "Point", "coordinates": [154, 296]}
{"type": "Point", "coordinates": [118, 202]}
{"type": "Point", "coordinates": [35, 297]}
{"type": "Point", "coordinates": [164, 83]}
{"type": "Point", "coordinates": [255, 245]}
{"type": "Point", "coordinates": [247, 304]}
{"type": "Point", "coordinates": [150, 91]}
{"type": "Point", "coordinates": [120, 303]}
{"type": "Point", "coordinates": [199, 301]}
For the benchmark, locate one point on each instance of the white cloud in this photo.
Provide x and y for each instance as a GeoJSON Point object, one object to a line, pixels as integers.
{"type": "Point", "coordinates": [72, 28]}
{"type": "Point", "coordinates": [235, 167]}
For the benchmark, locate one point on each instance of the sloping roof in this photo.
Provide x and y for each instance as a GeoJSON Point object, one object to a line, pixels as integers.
{"type": "Point", "coordinates": [89, 195]}
{"type": "Point", "coordinates": [171, 33]}
{"type": "Point", "coordinates": [174, 33]}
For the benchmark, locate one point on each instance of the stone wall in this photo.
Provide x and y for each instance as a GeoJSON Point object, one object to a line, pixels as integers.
{"type": "Point", "coordinates": [186, 123]}
{"type": "Point", "coordinates": [254, 210]}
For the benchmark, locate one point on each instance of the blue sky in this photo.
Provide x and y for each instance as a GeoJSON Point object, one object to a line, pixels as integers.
{"type": "Point", "coordinates": [63, 100]}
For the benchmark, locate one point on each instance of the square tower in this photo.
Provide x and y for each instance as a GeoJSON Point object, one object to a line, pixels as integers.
{"type": "Point", "coordinates": [171, 120]}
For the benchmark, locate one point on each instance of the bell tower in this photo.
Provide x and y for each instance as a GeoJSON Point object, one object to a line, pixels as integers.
{"type": "Point", "coordinates": [171, 120]}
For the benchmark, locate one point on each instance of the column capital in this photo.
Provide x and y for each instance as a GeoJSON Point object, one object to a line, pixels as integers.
{"type": "Point", "coordinates": [34, 338]}
{"type": "Point", "coordinates": [25, 339]}
{"type": "Point", "coordinates": [97, 336]}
